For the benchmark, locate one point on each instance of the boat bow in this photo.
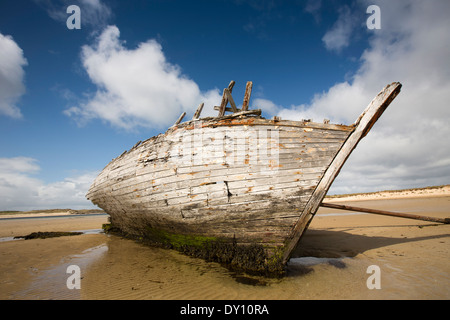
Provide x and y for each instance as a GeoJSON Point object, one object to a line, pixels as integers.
{"type": "Point", "coordinates": [362, 126]}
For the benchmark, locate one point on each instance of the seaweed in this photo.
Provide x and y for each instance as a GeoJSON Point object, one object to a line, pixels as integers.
{"type": "Point", "coordinates": [45, 235]}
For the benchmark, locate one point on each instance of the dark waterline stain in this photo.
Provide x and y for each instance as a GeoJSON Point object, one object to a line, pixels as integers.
{"type": "Point", "coordinates": [45, 235]}
{"type": "Point", "coordinates": [242, 279]}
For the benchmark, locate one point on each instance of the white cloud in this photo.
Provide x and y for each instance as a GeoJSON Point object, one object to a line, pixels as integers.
{"type": "Point", "coordinates": [12, 75]}
{"type": "Point", "coordinates": [342, 103]}
{"type": "Point", "coordinates": [409, 146]}
{"type": "Point", "coordinates": [19, 190]}
{"type": "Point", "coordinates": [68, 193]}
{"type": "Point", "coordinates": [313, 7]}
{"type": "Point", "coordinates": [94, 13]}
{"type": "Point", "coordinates": [338, 37]}
{"type": "Point", "coordinates": [268, 107]}
{"type": "Point", "coordinates": [137, 87]}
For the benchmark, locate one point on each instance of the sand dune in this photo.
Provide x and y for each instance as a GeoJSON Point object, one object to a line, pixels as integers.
{"type": "Point", "coordinates": [437, 191]}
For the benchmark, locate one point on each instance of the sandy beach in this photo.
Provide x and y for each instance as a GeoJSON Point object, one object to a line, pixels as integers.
{"type": "Point", "coordinates": [331, 261]}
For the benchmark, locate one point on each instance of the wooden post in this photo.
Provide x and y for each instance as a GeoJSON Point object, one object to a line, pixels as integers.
{"type": "Point", "coordinates": [386, 213]}
{"type": "Point", "coordinates": [231, 100]}
{"type": "Point", "coordinates": [231, 85]}
{"type": "Point", "coordinates": [179, 119]}
{"type": "Point", "coordinates": [224, 102]}
{"type": "Point", "coordinates": [217, 108]}
{"type": "Point", "coordinates": [248, 92]}
{"type": "Point", "coordinates": [199, 110]}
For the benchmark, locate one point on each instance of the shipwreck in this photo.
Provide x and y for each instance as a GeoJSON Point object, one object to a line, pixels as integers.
{"type": "Point", "coordinates": [238, 189]}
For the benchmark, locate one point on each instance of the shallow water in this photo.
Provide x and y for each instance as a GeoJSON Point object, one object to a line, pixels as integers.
{"type": "Point", "coordinates": [123, 269]}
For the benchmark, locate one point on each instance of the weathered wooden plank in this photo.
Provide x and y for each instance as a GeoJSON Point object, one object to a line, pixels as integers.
{"type": "Point", "coordinates": [308, 132]}
{"type": "Point", "coordinates": [198, 111]}
{"type": "Point", "coordinates": [168, 173]}
{"type": "Point", "coordinates": [245, 147]}
{"type": "Point", "coordinates": [202, 139]}
{"type": "Point", "coordinates": [285, 161]}
{"type": "Point", "coordinates": [224, 121]}
{"type": "Point", "coordinates": [243, 113]}
{"type": "Point", "coordinates": [386, 213]}
{"type": "Point", "coordinates": [223, 205]}
{"type": "Point", "coordinates": [250, 233]}
{"type": "Point", "coordinates": [215, 214]}
{"type": "Point", "coordinates": [217, 108]}
{"type": "Point", "coordinates": [205, 133]}
{"type": "Point", "coordinates": [219, 214]}
{"type": "Point", "coordinates": [222, 193]}
{"type": "Point", "coordinates": [271, 235]}
{"type": "Point", "coordinates": [255, 233]}
{"type": "Point", "coordinates": [226, 211]}
{"type": "Point", "coordinates": [224, 101]}
{"type": "Point", "coordinates": [172, 172]}
{"type": "Point", "coordinates": [179, 119]}
{"type": "Point", "coordinates": [231, 100]}
{"type": "Point", "coordinates": [248, 92]}
{"type": "Point", "coordinates": [211, 216]}
{"type": "Point", "coordinates": [251, 137]}
{"type": "Point", "coordinates": [171, 181]}
{"type": "Point", "coordinates": [219, 189]}
{"type": "Point", "coordinates": [216, 199]}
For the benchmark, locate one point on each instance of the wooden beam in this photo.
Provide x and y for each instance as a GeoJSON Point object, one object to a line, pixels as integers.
{"type": "Point", "coordinates": [199, 110]}
{"type": "Point", "coordinates": [362, 126]}
{"type": "Point", "coordinates": [226, 109]}
{"type": "Point", "coordinates": [179, 119]}
{"type": "Point", "coordinates": [231, 100]}
{"type": "Point", "coordinates": [244, 113]}
{"type": "Point", "coordinates": [224, 102]}
{"type": "Point", "coordinates": [248, 92]}
{"type": "Point", "coordinates": [231, 85]}
{"type": "Point", "coordinates": [386, 213]}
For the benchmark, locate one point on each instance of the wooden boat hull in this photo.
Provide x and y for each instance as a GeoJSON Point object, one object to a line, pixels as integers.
{"type": "Point", "coordinates": [238, 190]}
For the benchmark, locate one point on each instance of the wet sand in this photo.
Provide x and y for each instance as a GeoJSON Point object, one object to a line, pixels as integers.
{"type": "Point", "coordinates": [330, 263]}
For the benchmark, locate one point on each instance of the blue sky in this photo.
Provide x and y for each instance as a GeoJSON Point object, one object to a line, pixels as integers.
{"type": "Point", "coordinates": [74, 99]}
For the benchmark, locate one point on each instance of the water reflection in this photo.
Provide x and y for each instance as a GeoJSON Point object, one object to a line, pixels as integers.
{"type": "Point", "coordinates": [51, 283]}
{"type": "Point", "coordinates": [123, 269]}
